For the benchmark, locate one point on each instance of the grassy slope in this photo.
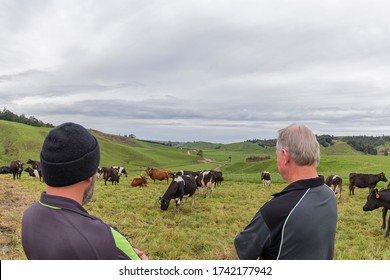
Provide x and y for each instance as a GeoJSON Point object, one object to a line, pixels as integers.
{"type": "Point", "coordinates": [207, 230]}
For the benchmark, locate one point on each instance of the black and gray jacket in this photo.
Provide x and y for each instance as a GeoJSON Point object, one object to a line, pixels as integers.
{"type": "Point", "coordinates": [297, 223]}
{"type": "Point", "coordinates": [58, 228]}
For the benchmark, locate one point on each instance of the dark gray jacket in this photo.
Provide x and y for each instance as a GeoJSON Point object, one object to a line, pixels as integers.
{"type": "Point", "coordinates": [298, 223]}
{"type": "Point", "coordinates": [58, 228]}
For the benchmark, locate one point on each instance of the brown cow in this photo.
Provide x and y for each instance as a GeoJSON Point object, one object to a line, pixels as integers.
{"type": "Point", "coordinates": [160, 175]}
{"type": "Point", "coordinates": [139, 182]}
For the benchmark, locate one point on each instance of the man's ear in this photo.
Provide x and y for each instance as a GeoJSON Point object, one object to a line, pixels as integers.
{"type": "Point", "coordinates": [89, 180]}
{"type": "Point", "coordinates": [286, 155]}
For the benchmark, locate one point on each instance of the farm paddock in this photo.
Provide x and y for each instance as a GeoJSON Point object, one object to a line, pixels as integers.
{"type": "Point", "coordinates": [205, 231]}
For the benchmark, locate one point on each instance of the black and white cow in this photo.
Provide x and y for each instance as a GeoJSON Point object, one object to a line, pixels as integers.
{"type": "Point", "coordinates": [180, 187]}
{"type": "Point", "coordinates": [378, 199]}
{"type": "Point", "coordinates": [266, 178]}
{"type": "Point", "coordinates": [121, 170]}
{"type": "Point", "coordinates": [206, 182]}
{"type": "Point", "coordinates": [32, 172]}
{"type": "Point", "coordinates": [16, 168]}
{"type": "Point", "coordinates": [364, 181]}
{"type": "Point", "coordinates": [335, 182]}
{"type": "Point", "coordinates": [36, 166]}
{"type": "Point", "coordinates": [218, 177]}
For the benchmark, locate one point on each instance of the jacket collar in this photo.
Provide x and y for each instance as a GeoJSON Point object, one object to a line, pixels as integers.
{"type": "Point", "coordinates": [302, 185]}
{"type": "Point", "coordinates": [60, 202]}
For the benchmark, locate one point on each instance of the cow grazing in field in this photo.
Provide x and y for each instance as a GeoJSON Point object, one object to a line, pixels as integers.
{"type": "Point", "coordinates": [335, 182]}
{"type": "Point", "coordinates": [364, 181]}
{"type": "Point", "coordinates": [5, 170]}
{"type": "Point", "coordinates": [121, 170]}
{"type": "Point", "coordinates": [218, 177]}
{"type": "Point", "coordinates": [378, 199]}
{"type": "Point", "coordinates": [139, 182]}
{"type": "Point", "coordinates": [180, 187]}
{"type": "Point", "coordinates": [156, 174]}
{"type": "Point", "coordinates": [266, 178]}
{"type": "Point", "coordinates": [16, 168]}
{"type": "Point", "coordinates": [183, 172]}
{"type": "Point", "coordinates": [111, 175]}
{"type": "Point", "coordinates": [36, 165]}
{"type": "Point", "coordinates": [206, 180]}
{"type": "Point", "coordinates": [32, 172]}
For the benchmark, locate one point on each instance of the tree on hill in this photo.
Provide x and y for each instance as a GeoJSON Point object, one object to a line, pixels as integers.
{"type": "Point", "coordinates": [7, 115]}
{"type": "Point", "coordinates": [325, 140]}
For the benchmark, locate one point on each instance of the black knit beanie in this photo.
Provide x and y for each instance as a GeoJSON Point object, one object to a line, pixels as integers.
{"type": "Point", "coordinates": [70, 154]}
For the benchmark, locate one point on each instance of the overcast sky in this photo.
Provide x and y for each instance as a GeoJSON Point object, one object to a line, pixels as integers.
{"type": "Point", "coordinates": [217, 71]}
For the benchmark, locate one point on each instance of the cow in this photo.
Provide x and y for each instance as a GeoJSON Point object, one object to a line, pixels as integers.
{"type": "Point", "coordinates": [266, 178]}
{"type": "Point", "coordinates": [121, 170]}
{"type": "Point", "coordinates": [180, 187]}
{"type": "Point", "coordinates": [364, 181]}
{"type": "Point", "coordinates": [218, 177]}
{"type": "Point", "coordinates": [16, 168]}
{"type": "Point", "coordinates": [100, 171]}
{"type": "Point", "coordinates": [32, 172]}
{"type": "Point", "coordinates": [378, 199]}
{"type": "Point", "coordinates": [111, 174]}
{"type": "Point", "coordinates": [160, 175]}
{"type": "Point", "coordinates": [335, 182]}
{"type": "Point", "coordinates": [183, 172]}
{"type": "Point", "coordinates": [36, 165]}
{"type": "Point", "coordinates": [139, 182]}
{"type": "Point", "coordinates": [206, 180]}
{"type": "Point", "coordinates": [5, 170]}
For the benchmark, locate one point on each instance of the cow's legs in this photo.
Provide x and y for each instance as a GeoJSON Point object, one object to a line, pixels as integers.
{"type": "Point", "coordinates": [384, 213]}
{"type": "Point", "coordinates": [351, 190]}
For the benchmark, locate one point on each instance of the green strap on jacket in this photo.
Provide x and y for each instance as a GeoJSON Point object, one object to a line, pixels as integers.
{"type": "Point", "coordinates": [124, 245]}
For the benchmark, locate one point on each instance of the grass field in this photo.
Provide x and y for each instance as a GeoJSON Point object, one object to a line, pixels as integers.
{"type": "Point", "coordinates": [207, 230]}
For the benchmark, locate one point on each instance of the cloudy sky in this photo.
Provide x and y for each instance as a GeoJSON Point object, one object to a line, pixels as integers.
{"type": "Point", "coordinates": [217, 71]}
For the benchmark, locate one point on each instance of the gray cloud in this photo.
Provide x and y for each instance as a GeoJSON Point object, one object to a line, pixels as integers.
{"type": "Point", "coordinates": [188, 70]}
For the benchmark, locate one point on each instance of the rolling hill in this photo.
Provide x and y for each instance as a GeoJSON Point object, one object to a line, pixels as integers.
{"type": "Point", "coordinates": [23, 142]}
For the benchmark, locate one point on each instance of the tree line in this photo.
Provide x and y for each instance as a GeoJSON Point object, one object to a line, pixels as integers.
{"type": "Point", "coordinates": [365, 144]}
{"type": "Point", "coordinates": [7, 115]}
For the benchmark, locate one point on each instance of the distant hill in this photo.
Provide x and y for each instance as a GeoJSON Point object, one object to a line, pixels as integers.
{"type": "Point", "coordinates": [23, 142]}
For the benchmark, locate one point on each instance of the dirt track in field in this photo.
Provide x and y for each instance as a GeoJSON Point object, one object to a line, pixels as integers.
{"type": "Point", "coordinates": [14, 199]}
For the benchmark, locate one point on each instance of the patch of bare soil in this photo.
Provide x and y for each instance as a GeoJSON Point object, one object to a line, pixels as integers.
{"type": "Point", "coordinates": [14, 199]}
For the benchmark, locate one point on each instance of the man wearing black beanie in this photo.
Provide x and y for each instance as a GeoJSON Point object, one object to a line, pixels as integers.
{"type": "Point", "coordinates": [58, 227]}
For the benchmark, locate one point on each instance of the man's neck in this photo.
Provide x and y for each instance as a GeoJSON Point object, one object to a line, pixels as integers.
{"type": "Point", "coordinates": [74, 192]}
{"type": "Point", "coordinates": [301, 172]}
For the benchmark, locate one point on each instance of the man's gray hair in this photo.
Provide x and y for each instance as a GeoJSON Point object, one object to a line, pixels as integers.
{"type": "Point", "coordinates": [301, 143]}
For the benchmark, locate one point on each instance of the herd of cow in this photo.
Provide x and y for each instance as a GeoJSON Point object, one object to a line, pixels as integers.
{"type": "Point", "coordinates": [376, 198]}
{"type": "Point", "coordinates": [185, 183]}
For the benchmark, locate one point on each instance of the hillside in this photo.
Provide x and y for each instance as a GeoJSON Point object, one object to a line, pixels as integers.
{"type": "Point", "coordinates": [23, 142]}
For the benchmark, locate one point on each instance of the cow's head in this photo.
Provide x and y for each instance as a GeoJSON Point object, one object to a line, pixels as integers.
{"type": "Point", "coordinates": [382, 177]}
{"type": "Point", "coordinates": [164, 203]}
{"type": "Point", "coordinates": [373, 201]}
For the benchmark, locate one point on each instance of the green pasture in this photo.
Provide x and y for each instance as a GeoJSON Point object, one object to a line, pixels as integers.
{"type": "Point", "coordinates": [207, 230]}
